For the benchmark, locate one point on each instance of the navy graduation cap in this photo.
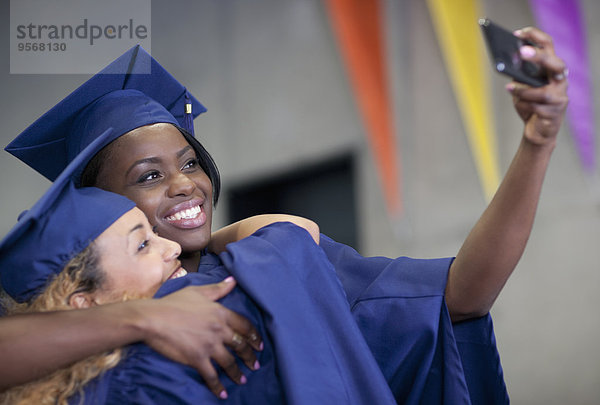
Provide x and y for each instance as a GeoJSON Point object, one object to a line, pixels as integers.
{"type": "Point", "coordinates": [59, 226]}
{"type": "Point", "coordinates": [111, 98]}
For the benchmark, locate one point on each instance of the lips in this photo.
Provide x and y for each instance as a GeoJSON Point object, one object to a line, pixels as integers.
{"type": "Point", "coordinates": [189, 214]}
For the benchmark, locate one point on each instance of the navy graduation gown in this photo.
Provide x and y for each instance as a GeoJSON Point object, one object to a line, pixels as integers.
{"type": "Point", "coordinates": [363, 331]}
{"type": "Point", "coordinates": [314, 351]}
{"type": "Point", "coordinates": [400, 308]}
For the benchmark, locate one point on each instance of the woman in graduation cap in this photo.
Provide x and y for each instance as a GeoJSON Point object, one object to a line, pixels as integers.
{"type": "Point", "coordinates": [131, 110]}
{"type": "Point", "coordinates": [59, 257]}
{"type": "Point", "coordinates": [162, 176]}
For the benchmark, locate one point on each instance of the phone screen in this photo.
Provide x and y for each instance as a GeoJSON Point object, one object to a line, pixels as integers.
{"type": "Point", "coordinates": [504, 51]}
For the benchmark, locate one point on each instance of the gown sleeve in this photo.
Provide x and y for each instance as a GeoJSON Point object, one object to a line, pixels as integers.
{"type": "Point", "coordinates": [322, 354]}
{"type": "Point", "coordinates": [400, 308]}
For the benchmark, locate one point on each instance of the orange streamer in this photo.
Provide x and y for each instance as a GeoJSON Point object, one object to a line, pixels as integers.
{"type": "Point", "coordinates": [357, 26]}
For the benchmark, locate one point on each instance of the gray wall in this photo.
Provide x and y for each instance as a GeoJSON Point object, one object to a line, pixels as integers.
{"type": "Point", "coordinates": [277, 95]}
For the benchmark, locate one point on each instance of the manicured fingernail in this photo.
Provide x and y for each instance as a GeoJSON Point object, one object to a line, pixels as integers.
{"type": "Point", "coordinates": [223, 394]}
{"type": "Point", "coordinates": [518, 33]}
{"type": "Point", "coordinates": [228, 279]}
{"type": "Point", "coordinates": [256, 365]}
{"type": "Point", "coordinates": [527, 51]}
{"type": "Point", "coordinates": [243, 379]}
{"type": "Point", "coordinates": [261, 346]}
{"type": "Point", "coordinates": [510, 87]}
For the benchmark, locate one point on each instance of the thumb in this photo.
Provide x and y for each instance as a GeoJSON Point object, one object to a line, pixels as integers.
{"type": "Point", "coordinates": [218, 290]}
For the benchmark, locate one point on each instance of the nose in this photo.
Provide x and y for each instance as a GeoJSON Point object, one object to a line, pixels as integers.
{"type": "Point", "coordinates": [171, 250]}
{"type": "Point", "coordinates": [181, 184]}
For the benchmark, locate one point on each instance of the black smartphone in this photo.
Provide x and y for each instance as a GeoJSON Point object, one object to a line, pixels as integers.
{"type": "Point", "coordinates": [504, 46]}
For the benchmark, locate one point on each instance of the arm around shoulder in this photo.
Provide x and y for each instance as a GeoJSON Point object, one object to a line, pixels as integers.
{"type": "Point", "coordinates": [246, 227]}
{"type": "Point", "coordinates": [35, 344]}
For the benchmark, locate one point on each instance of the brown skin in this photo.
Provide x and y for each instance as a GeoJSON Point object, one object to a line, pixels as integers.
{"type": "Point", "coordinates": [53, 340]}
{"type": "Point", "coordinates": [248, 226]}
{"type": "Point", "coordinates": [156, 168]}
{"type": "Point", "coordinates": [496, 243]}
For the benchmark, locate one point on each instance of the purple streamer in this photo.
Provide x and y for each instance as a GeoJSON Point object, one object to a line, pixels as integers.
{"type": "Point", "coordinates": [562, 19]}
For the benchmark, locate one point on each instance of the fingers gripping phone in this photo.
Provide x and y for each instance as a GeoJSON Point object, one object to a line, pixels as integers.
{"type": "Point", "coordinates": [504, 51]}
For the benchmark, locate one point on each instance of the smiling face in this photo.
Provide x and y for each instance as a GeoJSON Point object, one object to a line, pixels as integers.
{"type": "Point", "coordinates": [134, 260]}
{"type": "Point", "coordinates": [158, 169]}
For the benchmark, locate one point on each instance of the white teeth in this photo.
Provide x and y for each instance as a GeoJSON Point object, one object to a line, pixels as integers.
{"type": "Point", "coordinates": [185, 214]}
{"type": "Point", "coordinates": [180, 273]}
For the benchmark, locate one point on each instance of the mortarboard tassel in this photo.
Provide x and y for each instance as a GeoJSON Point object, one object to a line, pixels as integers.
{"type": "Point", "coordinates": [188, 118]}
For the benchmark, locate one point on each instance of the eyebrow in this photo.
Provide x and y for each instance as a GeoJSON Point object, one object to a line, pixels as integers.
{"type": "Point", "coordinates": [135, 228]}
{"type": "Point", "coordinates": [139, 162]}
{"type": "Point", "coordinates": [132, 230]}
{"type": "Point", "coordinates": [183, 151]}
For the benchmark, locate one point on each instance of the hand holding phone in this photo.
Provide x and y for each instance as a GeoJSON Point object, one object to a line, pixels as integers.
{"type": "Point", "coordinates": [504, 50]}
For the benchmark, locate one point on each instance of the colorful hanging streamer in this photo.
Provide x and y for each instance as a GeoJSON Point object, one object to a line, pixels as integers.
{"type": "Point", "coordinates": [562, 19]}
{"type": "Point", "coordinates": [460, 39]}
{"type": "Point", "coordinates": [358, 27]}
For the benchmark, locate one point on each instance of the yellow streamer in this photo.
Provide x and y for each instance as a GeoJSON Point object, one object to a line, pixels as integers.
{"type": "Point", "coordinates": [460, 39]}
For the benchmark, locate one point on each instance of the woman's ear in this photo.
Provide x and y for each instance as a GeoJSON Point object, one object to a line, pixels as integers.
{"type": "Point", "coordinates": [81, 300]}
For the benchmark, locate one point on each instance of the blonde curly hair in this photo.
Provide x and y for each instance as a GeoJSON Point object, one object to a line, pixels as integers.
{"type": "Point", "coordinates": [81, 274]}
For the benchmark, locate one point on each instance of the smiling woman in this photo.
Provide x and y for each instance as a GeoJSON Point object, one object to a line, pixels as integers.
{"type": "Point", "coordinates": [322, 309]}
{"type": "Point", "coordinates": [133, 260]}
{"type": "Point", "coordinates": [48, 263]}
{"type": "Point", "coordinates": [59, 257]}
{"type": "Point", "coordinates": [155, 166]}
{"type": "Point", "coordinates": [148, 153]}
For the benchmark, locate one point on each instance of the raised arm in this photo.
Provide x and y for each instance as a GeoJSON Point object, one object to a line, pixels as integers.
{"type": "Point", "coordinates": [186, 326]}
{"type": "Point", "coordinates": [246, 227]}
{"type": "Point", "coordinates": [494, 246]}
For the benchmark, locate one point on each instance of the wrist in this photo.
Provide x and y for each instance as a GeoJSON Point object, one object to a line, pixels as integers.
{"type": "Point", "coordinates": [539, 144]}
{"type": "Point", "coordinates": [535, 138]}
